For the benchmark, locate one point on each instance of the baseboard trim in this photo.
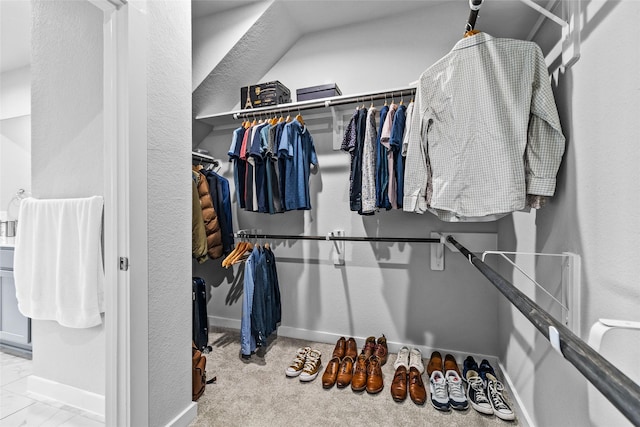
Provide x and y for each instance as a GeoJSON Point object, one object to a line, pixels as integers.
{"type": "Point", "coordinates": [521, 410]}
{"type": "Point", "coordinates": [223, 322]}
{"type": "Point", "coordinates": [185, 417]}
{"type": "Point", "coordinates": [69, 395]}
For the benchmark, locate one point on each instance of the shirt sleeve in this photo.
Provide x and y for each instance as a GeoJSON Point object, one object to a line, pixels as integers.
{"type": "Point", "coordinates": [545, 141]}
{"type": "Point", "coordinates": [415, 173]}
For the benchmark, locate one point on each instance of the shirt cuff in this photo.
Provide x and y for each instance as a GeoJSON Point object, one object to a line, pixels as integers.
{"type": "Point", "coordinates": [414, 203]}
{"type": "Point", "coordinates": [541, 186]}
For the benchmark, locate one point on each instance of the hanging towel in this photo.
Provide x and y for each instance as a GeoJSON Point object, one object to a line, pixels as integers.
{"type": "Point", "coordinates": [58, 261]}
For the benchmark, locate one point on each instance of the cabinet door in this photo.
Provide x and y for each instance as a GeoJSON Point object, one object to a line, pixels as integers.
{"type": "Point", "coordinates": [14, 327]}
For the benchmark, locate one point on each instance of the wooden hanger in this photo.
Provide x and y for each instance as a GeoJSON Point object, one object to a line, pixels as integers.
{"type": "Point", "coordinates": [300, 119]}
{"type": "Point", "coordinates": [471, 33]}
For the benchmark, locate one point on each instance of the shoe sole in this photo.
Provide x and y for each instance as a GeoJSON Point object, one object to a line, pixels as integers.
{"type": "Point", "coordinates": [399, 400]}
{"type": "Point", "coordinates": [357, 389]}
{"type": "Point", "coordinates": [292, 374]}
{"type": "Point", "coordinates": [459, 406]}
{"type": "Point", "coordinates": [305, 379]}
{"type": "Point", "coordinates": [443, 408]}
{"type": "Point", "coordinates": [505, 417]}
{"type": "Point", "coordinates": [482, 409]}
{"type": "Point", "coordinates": [375, 391]}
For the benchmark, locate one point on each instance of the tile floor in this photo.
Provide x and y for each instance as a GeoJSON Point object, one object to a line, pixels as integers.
{"type": "Point", "coordinates": [18, 407]}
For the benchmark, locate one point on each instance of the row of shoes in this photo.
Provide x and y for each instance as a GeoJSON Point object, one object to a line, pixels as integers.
{"type": "Point", "coordinates": [484, 389]}
{"type": "Point", "coordinates": [306, 364]}
{"type": "Point", "coordinates": [363, 371]}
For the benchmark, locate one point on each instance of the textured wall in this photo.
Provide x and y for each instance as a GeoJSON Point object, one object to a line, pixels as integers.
{"type": "Point", "coordinates": [594, 213]}
{"type": "Point", "coordinates": [169, 208]}
{"type": "Point", "coordinates": [67, 144]}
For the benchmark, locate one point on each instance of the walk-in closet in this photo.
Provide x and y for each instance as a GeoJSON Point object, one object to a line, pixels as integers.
{"type": "Point", "coordinates": [358, 212]}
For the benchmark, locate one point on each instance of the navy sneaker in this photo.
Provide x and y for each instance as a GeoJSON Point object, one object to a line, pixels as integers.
{"type": "Point", "coordinates": [485, 368]}
{"type": "Point", "coordinates": [469, 364]}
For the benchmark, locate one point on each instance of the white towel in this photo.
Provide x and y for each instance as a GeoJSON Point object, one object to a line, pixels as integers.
{"type": "Point", "coordinates": [58, 261]}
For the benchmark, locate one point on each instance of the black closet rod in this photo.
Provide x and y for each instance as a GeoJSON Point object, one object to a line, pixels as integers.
{"type": "Point", "coordinates": [338, 238]}
{"type": "Point", "coordinates": [612, 383]}
{"type": "Point", "coordinates": [473, 14]}
{"type": "Point", "coordinates": [324, 103]}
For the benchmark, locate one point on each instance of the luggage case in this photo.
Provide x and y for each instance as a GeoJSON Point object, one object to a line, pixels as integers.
{"type": "Point", "coordinates": [200, 321]}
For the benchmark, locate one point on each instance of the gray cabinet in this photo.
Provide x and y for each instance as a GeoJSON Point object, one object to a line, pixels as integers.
{"type": "Point", "coordinates": [15, 329]}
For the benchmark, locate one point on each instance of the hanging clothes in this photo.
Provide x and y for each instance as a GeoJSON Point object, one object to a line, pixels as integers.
{"type": "Point", "coordinates": [198, 233]}
{"type": "Point", "coordinates": [221, 198]}
{"type": "Point", "coordinates": [369, 164]}
{"type": "Point", "coordinates": [486, 132]}
{"type": "Point", "coordinates": [349, 144]}
{"type": "Point", "coordinates": [396, 163]}
{"type": "Point", "coordinates": [261, 304]}
{"type": "Point", "coordinates": [382, 172]}
{"type": "Point", "coordinates": [209, 216]}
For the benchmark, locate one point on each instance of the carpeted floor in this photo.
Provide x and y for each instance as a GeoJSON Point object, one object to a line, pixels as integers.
{"type": "Point", "coordinates": [257, 393]}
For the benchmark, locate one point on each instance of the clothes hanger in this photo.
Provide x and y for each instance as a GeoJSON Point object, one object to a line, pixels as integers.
{"type": "Point", "coordinates": [299, 118]}
{"type": "Point", "coordinates": [371, 106]}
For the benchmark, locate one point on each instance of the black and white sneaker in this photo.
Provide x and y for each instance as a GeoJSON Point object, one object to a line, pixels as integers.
{"type": "Point", "coordinates": [476, 394]}
{"type": "Point", "coordinates": [500, 407]}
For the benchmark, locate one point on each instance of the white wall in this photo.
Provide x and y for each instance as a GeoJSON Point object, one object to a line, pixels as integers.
{"type": "Point", "coordinates": [67, 144]}
{"type": "Point", "coordinates": [169, 208]}
{"type": "Point", "coordinates": [15, 135]}
{"type": "Point", "coordinates": [384, 287]}
{"type": "Point", "coordinates": [594, 213]}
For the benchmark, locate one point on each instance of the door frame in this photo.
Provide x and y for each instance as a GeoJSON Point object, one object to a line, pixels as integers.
{"type": "Point", "coordinates": [125, 251]}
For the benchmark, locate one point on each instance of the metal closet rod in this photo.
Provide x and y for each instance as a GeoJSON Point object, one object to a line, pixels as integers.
{"type": "Point", "coordinates": [326, 102]}
{"type": "Point", "coordinates": [621, 391]}
{"type": "Point", "coordinates": [338, 238]}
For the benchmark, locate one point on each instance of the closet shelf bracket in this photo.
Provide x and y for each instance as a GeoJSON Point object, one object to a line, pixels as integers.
{"type": "Point", "coordinates": [569, 283]}
{"type": "Point", "coordinates": [569, 45]}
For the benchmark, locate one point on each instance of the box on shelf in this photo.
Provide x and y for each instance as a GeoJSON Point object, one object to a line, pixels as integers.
{"type": "Point", "coordinates": [264, 94]}
{"type": "Point", "coordinates": [316, 92]}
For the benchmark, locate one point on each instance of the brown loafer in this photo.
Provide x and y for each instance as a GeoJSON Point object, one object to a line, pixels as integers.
{"type": "Point", "coordinates": [345, 372]}
{"type": "Point", "coordinates": [339, 349]}
{"type": "Point", "coordinates": [416, 387]}
{"type": "Point", "coordinates": [369, 347]}
{"type": "Point", "coordinates": [381, 350]}
{"type": "Point", "coordinates": [435, 363]}
{"type": "Point", "coordinates": [374, 375]}
{"type": "Point", "coordinates": [351, 349]}
{"type": "Point", "coordinates": [399, 384]}
{"type": "Point", "coordinates": [359, 379]}
{"type": "Point", "coordinates": [331, 373]}
{"type": "Point", "coordinates": [450, 364]}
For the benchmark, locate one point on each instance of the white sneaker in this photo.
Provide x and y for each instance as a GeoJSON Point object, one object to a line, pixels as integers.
{"type": "Point", "coordinates": [500, 407]}
{"type": "Point", "coordinates": [457, 398]}
{"type": "Point", "coordinates": [311, 366]}
{"type": "Point", "coordinates": [415, 360]}
{"type": "Point", "coordinates": [297, 365]}
{"type": "Point", "coordinates": [438, 389]}
{"type": "Point", "coordinates": [402, 359]}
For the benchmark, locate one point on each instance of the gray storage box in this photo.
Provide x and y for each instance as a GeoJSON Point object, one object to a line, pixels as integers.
{"type": "Point", "coordinates": [316, 92]}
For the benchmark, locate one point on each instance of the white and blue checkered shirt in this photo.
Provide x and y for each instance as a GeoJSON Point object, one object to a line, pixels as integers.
{"type": "Point", "coordinates": [485, 132]}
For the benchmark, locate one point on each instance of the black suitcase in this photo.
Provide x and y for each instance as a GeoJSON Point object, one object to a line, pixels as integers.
{"type": "Point", "coordinates": [200, 321]}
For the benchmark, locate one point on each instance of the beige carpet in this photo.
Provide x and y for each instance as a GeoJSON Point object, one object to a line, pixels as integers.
{"type": "Point", "coordinates": [257, 393]}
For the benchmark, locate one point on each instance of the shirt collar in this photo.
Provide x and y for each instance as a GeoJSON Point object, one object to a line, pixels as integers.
{"type": "Point", "coordinates": [473, 41]}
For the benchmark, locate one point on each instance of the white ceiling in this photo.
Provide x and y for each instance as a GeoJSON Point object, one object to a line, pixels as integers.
{"type": "Point", "coordinates": [15, 34]}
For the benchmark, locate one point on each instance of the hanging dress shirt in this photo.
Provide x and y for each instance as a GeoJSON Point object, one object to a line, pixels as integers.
{"type": "Point", "coordinates": [382, 174]}
{"type": "Point", "coordinates": [396, 167]}
{"type": "Point", "coordinates": [486, 124]}
{"type": "Point", "coordinates": [369, 164]}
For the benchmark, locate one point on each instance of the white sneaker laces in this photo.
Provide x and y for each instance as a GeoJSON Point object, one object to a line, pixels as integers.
{"type": "Point", "coordinates": [476, 384]}
{"type": "Point", "coordinates": [312, 360]}
{"type": "Point", "coordinates": [300, 359]}
{"type": "Point", "coordinates": [455, 389]}
{"type": "Point", "coordinates": [495, 392]}
{"type": "Point", "coordinates": [440, 388]}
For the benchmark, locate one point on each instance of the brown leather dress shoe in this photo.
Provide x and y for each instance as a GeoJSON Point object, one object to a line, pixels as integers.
{"type": "Point", "coordinates": [351, 349]}
{"type": "Point", "coordinates": [450, 364]}
{"type": "Point", "coordinates": [416, 387]}
{"type": "Point", "coordinates": [381, 350]}
{"type": "Point", "coordinates": [374, 375]}
{"type": "Point", "coordinates": [339, 349]}
{"type": "Point", "coordinates": [345, 372]}
{"type": "Point", "coordinates": [359, 379]}
{"type": "Point", "coordinates": [435, 363]}
{"type": "Point", "coordinates": [369, 347]}
{"type": "Point", "coordinates": [399, 384]}
{"type": "Point", "coordinates": [331, 373]}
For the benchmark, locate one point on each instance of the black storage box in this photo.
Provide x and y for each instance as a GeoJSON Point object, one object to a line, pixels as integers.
{"type": "Point", "coordinates": [315, 92]}
{"type": "Point", "coordinates": [264, 94]}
